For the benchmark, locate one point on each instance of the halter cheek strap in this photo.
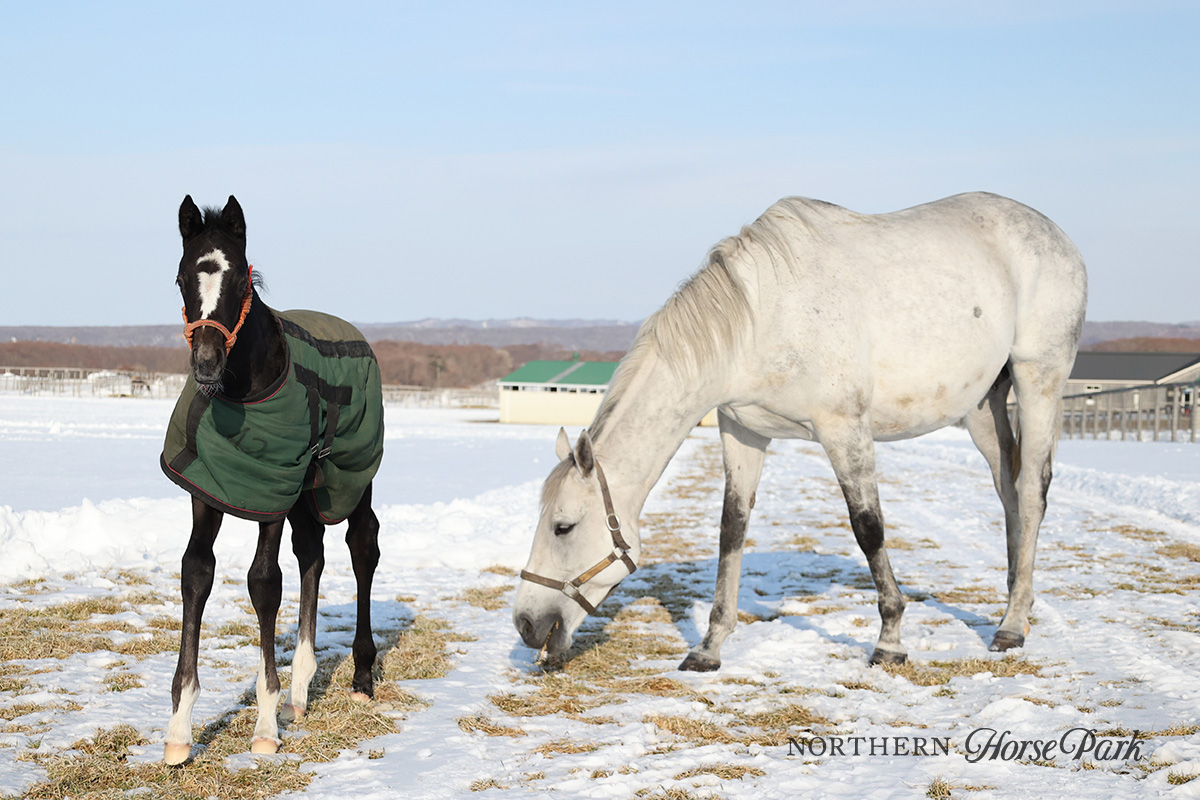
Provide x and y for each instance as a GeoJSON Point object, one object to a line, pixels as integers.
{"type": "Point", "coordinates": [620, 552]}
{"type": "Point", "coordinates": [189, 328]}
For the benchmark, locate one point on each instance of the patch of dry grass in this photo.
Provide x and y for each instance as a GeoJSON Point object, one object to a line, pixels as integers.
{"type": "Point", "coordinates": [937, 673]}
{"type": "Point", "coordinates": [122, 681]}
{"type": "Point", "coordinates": [486, 783]}
{"type": "Point", "coordinates": [64, 629]}
{"type": "Point", "coordinates": [968, 595]}
{"type": "Point", "coordinates": [724, 771]}
{"type": "Point", "coordinates": [487, 726]}
{"type": "Point", "coordinates": [1191, 552]}
{"type": "Point", "coordinates": [1132, 532]}
{"type": "Point", "coordinates": [565, 746]}
{"type": "Point", "coordinates": [488, 599]}
{"type": "Point", "coordinates": [939, 789]}
{"type": "Point", "coordinates": [101, 770]}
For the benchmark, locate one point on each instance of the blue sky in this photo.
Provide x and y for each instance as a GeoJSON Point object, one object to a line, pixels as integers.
{"type": "Point", "coordinates": [489, 160]}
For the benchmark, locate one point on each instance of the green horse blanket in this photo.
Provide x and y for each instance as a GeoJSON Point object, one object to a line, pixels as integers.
{"type": "Point", "coordinates": [318, 430]}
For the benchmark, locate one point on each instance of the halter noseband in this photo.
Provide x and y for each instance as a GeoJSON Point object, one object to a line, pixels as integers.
{"type": "Point", "coordinates": [189, 328]}
{"type": "Point", "coordinates": [620, 552]}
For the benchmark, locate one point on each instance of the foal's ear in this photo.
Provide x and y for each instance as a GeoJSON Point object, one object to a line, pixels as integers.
{"type": "Point", "coordinates": [233, 218]}
{"type": "Point", "coordinates": [191, 222]}
{"type": "Point", "coordinates": [562, 447]}
{"type": "Point", "coordinates": [585, 459]}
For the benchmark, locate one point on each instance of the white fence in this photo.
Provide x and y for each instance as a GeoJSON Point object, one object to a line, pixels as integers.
{"type": "Point", "coordinates": [83, 382]}
{"type": "Point", "coordinates": [1165, 412]}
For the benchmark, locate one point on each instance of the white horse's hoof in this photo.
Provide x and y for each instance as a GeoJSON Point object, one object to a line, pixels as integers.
{"type": "Point", "coordinates": [291, 713]}
{"type": "Point", "coordinates": [176, 754]}
{"type": "Point", "coordinates": [360, 697]}
{"type": "Point", "coordinates": [264, 747]}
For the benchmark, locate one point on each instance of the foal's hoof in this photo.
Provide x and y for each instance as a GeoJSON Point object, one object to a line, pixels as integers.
{"type": "Point", "coordinates": [887, 657]}
{"type": "Point", "coordinates": [176, 754]}
{"type": "Point", "coordinates": [290, 713]}
{"type": "Point", "coordinates": [1003, 640]}
{"type": "Point", "coordinates": [695, 663]}
{"type": "Point", "coordinates": [264, 747]}
{"type": "Point", "coordinates": [360, 697]}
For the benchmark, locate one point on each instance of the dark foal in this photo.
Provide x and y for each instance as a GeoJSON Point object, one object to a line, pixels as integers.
{"type": "Point", "coordinates": [244, 357]}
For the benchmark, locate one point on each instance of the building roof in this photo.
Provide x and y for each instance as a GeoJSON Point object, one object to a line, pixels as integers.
{"type": "Point", "coordinates": [1148, 367]}
{"type": "Point", "coordinates": [564, 373]}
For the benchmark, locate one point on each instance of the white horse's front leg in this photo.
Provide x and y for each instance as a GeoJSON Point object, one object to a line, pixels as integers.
{"type": "Point", "coordinates": [744, 453]}
{"type": "Point", "coordinates": [852, 453]}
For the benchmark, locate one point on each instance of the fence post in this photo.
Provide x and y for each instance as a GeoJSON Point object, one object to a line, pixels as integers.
{"type": "Point", "coordinates": [1137, 413]}
{"type": "Point", "coordinates": [1125, 414]}
{"type": "Point", "coordinates": [1195, 416]}
{"type": "Point", "coordinates": [1175, 392]}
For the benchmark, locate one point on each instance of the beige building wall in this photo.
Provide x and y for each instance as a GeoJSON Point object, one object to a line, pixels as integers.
{"type": "Point", "coordinates": [548, 408]}
{"type": "Point", "coordinates": [558, 408]}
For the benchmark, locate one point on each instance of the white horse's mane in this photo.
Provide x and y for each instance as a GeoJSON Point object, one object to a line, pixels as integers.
{"type": "Point", "coordinates": [703, 323]}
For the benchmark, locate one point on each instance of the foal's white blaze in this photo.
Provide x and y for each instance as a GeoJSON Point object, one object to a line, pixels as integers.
{"type": "Point", "coordinates": [210, 282]}
{"type": "Point", "coordinates": [179, 730]}
{"type": "Point", "coordinates": [266, 728]}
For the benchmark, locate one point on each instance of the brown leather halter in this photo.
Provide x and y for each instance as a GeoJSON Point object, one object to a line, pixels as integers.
{"type": "Point", "coordinates": [620, 552]}
{"type": "Point", "coordinates": [189, 328]}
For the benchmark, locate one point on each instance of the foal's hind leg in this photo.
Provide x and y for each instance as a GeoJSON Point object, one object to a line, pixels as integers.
{"type": "Point", "coordinates": [1038, 388]}
{"type": "Point", "coordinates": [362, 537]}
{"type": "Point", "coordinates": [852, 453]}
{"type": "Point", "coordinates": [744, 452]}
{"type": "Point", "coordinates": [308, 544]}
{"type": "Point", "coordinates": [196, 580]}
{"type": "Point", "coordinates": [265, 582]}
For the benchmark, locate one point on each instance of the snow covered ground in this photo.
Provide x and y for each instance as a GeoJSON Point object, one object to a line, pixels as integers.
{"type": "Point", "coordinates": [86, 516]}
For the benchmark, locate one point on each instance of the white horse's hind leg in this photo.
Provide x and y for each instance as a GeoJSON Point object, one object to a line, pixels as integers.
{"type": "Point", "coordinates": [1038, 389]}
{"type": "Point", "coordinates": [744, 453]}
{"type": "Point", "coordinates": [990, 430]}
{"type": "Point", "coordinates": [852, 453]}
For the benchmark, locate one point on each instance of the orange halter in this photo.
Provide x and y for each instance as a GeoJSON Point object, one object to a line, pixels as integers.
{"type": "Point", "coordinates": [230, 335]}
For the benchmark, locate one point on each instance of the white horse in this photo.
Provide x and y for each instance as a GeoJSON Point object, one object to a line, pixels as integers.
{"type": "Point", "coordinates": [819, 323]}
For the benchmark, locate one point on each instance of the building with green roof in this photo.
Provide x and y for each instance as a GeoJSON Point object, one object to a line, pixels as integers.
{"type": "Point", "coordinates": [555, 392]}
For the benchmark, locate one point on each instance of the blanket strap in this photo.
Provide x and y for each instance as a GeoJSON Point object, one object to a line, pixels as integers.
{"type": "Point", "coordinates": [320, 443]}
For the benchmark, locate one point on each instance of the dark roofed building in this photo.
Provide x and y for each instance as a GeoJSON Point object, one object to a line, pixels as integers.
{"type": "Point", "coordinates": [1096, 371]}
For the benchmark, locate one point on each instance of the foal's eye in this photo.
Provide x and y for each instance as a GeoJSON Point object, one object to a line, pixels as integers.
{"type": "Point", "coordinates": [562, 528]}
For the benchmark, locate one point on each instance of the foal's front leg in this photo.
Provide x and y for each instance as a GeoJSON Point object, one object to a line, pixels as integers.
{"type": "Point", "coordinates": [265, 581]}
{"type": "Point", "coordinates": [196, 580]}
{"type": "Point", "coordinates": [308, 544]}
{"type": "Point", "coordinates": [744, 453]}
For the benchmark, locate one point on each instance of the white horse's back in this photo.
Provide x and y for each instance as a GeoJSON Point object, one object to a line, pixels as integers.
{"type": "Point", "coordinates": [911, 315]}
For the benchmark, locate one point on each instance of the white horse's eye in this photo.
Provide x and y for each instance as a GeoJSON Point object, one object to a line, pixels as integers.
{"type": "Point", "coordinates": [562, 528]}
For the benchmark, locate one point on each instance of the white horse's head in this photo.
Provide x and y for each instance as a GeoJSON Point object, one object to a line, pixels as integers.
{"type": "Point", "coordinates": [583, 547]}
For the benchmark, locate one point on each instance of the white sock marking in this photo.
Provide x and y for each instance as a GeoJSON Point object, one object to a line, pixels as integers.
{"type": "Point", "coordinates": [179, 730]}
{"type": "Point", "coordinates": [304, 666]}
{"type": "Point", "coordinates": [267, 727]}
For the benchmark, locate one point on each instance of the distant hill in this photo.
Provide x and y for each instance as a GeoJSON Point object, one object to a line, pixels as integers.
{"type": "Point", "coordinates": [1148, 344]}
{"type": "Point", "coordinates": [569, 334]}
{"type": "Point", "coordinates": [1096, 332]}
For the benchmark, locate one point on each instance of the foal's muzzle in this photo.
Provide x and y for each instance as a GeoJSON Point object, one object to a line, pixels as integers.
{"type": "Point", "coordinates": [208, 357]}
